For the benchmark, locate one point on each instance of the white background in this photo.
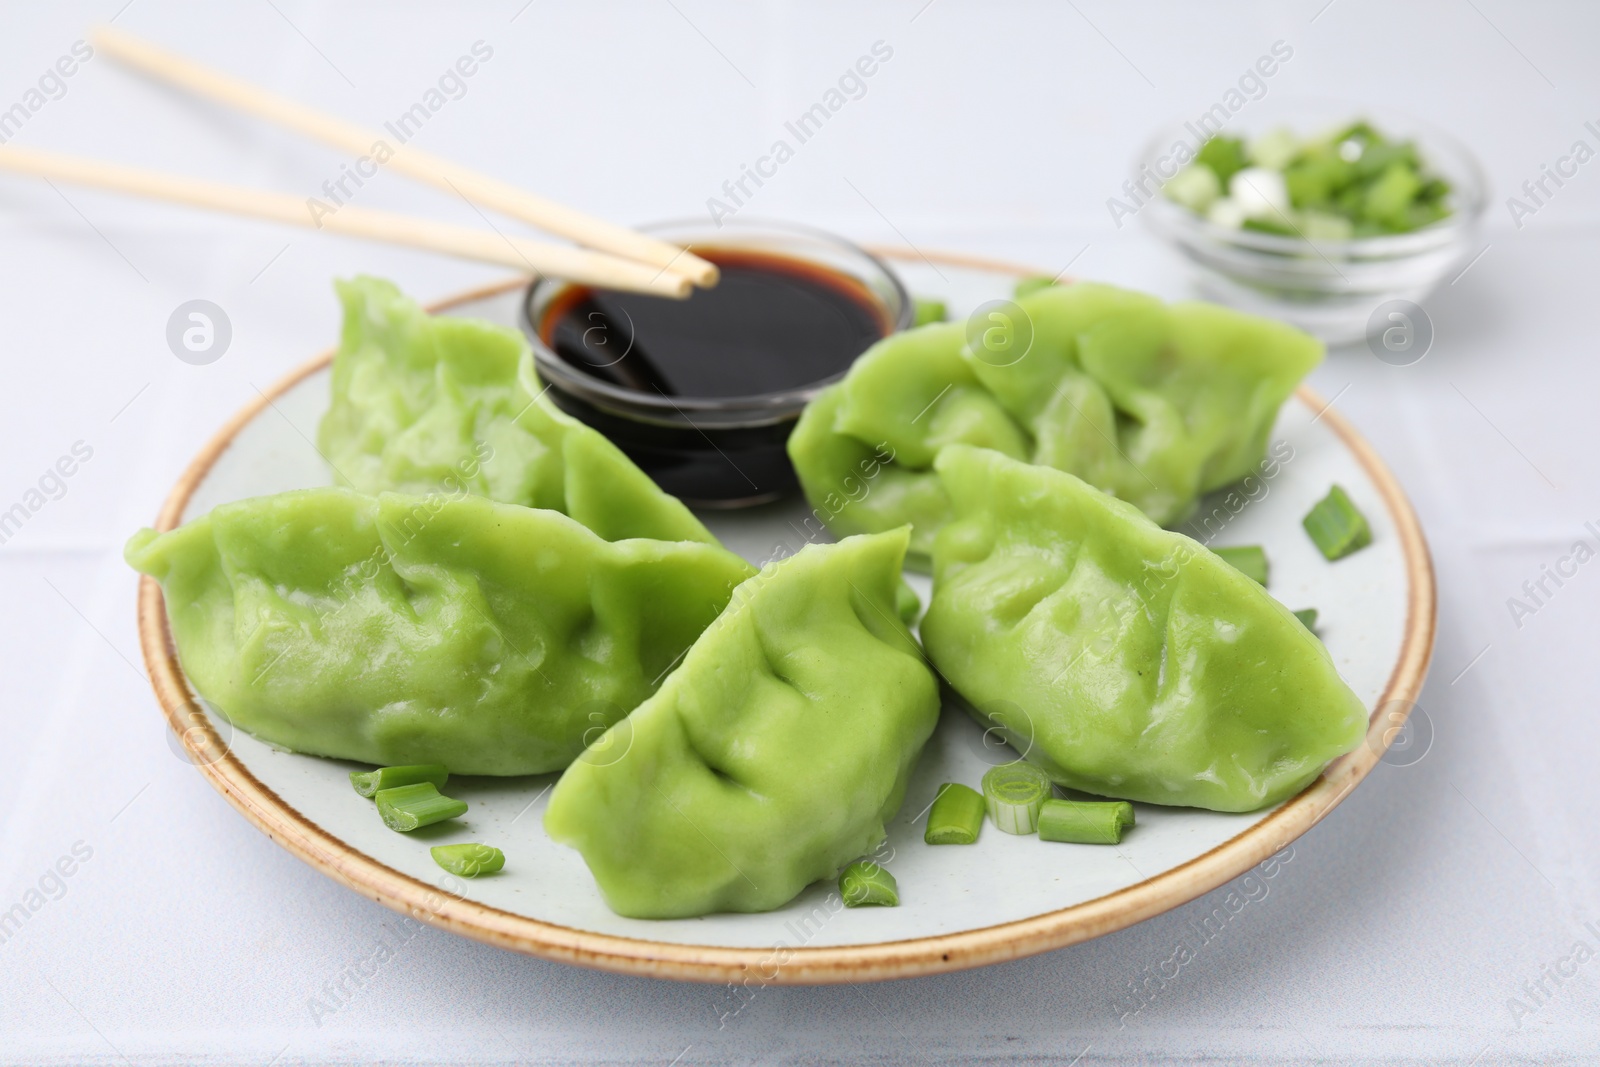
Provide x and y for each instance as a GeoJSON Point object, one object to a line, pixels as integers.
{"type": "Point", "coordinates": [1403, 924]}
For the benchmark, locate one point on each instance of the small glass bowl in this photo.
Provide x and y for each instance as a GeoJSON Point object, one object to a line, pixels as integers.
{"type": "Point", "coordinates": [718, 452]}
{"type": "Point", "coordinates": [1327, 288]}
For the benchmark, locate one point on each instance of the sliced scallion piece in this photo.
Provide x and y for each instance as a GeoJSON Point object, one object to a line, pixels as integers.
{"type": "Point", "coordinates": [1196, 188]}
{"type": "Point", "coordinates": [1032, 284]}
{"type": "Point", "coordinates": [1335, 525]}
{"type": "Point", "coordinates": [956, 817]}
{"type": "Point", "coordinates": [927, 310]}
{"type": "Point", "coordinates": [1250, 560]}
{"type": "Point", "coordinates": [407, 807]}
{"type": "Point", "coordinates": [1085, 822]}
{"type": "Point", "coordinates": [1014, 793]}
{"type": "Point", "coordinates": [1308, 618]}
{"type": "Point", "coordinates": [367, 783]}
{"type": "Point", "coordinates": [865, 884]}
{"type": "Point", "coordinates": [468, 861]}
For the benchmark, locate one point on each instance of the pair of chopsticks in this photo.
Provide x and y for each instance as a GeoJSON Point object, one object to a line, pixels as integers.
{"type": "Point", "coordinates": [612, 257]}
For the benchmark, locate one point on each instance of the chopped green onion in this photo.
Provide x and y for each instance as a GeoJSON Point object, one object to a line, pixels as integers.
{"type": "Point", "coordinates": [1032, 285]}
{"type": "Point", "coordinates": [407, 807]}
{"type": "Point", "coordinates": [1014, 793]}
{"type": "Point", "coordinates": [368, 783]}
{"type": "Point", "coordinates": [1224, 155]}
{"type": "Point", "coordinates": [1388, 198]}
{"type": "Point", "coordinates": [1273, 150]}
{"type": "Point", "coordinates": [1226, 213]}
{"type": "Point", "coordinates": [1085, 823]}
{"type": "Point", "coordinates": [1251, 560]}
{"type": "Point", "coordinates": [1195, 187]}
{"type": "Point", "coordinates": [1308, 618]}
{"type": "Point", "coordinates": [468, 861]}
{"type": "Point", "coordinates": [865, 884]}
{"type": "Point", "coordinates": [1269, 224]}
{"type": "Point", "coordinates": [1322, 226]}
{"type": "Point", "coordinates": [956, 816]}
{"type": "Point", "coordinates": [906, 603]}
{"type": "Point", "coordinates": [927, 310]}
{"type": "Point", "coordinates": [1335, 525]}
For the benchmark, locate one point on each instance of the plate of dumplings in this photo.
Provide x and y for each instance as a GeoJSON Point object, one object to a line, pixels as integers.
{"type": "Point", "coordinates": [1051, 638]}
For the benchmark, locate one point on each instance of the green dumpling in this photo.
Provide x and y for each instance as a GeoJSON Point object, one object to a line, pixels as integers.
{"type": "Point", "coordinates": [1121, 658]}
{"type": "Point", "coordinates": [1156, 404]}
{"type": "Point", "coordinates": [772, 757]}
{"type": "Point", "coordinates": [423, 403]}
{"type": "Point", "coordinates": [487, 637]}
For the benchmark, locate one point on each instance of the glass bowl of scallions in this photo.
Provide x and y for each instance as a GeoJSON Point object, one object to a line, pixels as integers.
{"type": "Point", "coordinates": [1316, 214]}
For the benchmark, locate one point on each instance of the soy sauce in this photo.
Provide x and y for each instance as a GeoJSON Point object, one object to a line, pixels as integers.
{"type": "Point", "coordinates": [703, 393]}
{"type": "Point", "coordinates": [772, 323]}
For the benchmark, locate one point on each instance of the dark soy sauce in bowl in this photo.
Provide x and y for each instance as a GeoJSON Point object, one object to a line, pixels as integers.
{"type": "Point", "coordinates": [702, 393]}
{"type": "Point", "coordinates": [772, 323]}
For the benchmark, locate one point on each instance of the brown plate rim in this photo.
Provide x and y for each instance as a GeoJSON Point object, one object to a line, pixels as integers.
{"type": "Point", "coordinates": [796, 966]}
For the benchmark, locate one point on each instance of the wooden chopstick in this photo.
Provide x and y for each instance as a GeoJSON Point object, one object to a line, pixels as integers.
{"type": "Point", "coordinates": [472, 185]}
{"type": "Point", "coordinates": [575, 264]}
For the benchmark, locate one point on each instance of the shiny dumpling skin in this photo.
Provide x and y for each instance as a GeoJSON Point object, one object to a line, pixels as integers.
{"type": "Point", "coordinates": [422, 403]}
{"type": "Point", "coordinates": [1123, 659]}
{"type": "Point", "coordinates": [772, 756]}
{"type": "Point", "coordinates": [1153, 403]}
{"type": "Point", "coordinates": [400, 629]}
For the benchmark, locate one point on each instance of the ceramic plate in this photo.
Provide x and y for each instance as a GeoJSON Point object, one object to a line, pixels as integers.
{"type": "Point", "coordinates": [1002, 898]}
